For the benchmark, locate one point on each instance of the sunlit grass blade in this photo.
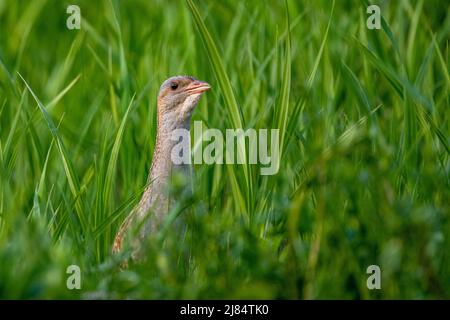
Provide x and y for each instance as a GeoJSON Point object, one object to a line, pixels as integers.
{"type": "Point", "coordinates": [222, 78]}
{"type": "Point", "coordinates": [56, 99]}
{"type": "Point", "coordinates": [40, 187]}
{"type": "Point", "coordinates": [234, 112]}
{"type": "Point", "coordinates": [110, 172]}
{"type": "Point", "coordinates": [283, 109]}
{"type": "Point", "coordinates": [111, 169]}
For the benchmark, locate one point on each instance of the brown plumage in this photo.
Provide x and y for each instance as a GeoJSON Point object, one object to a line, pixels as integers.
{"type": "Point", "coordinates": [177, 98]}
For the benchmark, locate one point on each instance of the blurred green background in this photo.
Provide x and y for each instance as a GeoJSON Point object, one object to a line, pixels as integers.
{"type": "Point", "coordinates": [364, 171]}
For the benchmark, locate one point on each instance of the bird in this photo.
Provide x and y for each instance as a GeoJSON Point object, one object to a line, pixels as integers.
{"type": "Point", "coordinates": [177, 98]}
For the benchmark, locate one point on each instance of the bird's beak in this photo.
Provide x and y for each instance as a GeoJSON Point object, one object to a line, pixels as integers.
{"type": "Point", "coordinates": [197, 86]}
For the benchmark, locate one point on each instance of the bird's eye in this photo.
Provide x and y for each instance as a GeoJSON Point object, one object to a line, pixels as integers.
{"type": "Point", "coordinates": [174, 86]}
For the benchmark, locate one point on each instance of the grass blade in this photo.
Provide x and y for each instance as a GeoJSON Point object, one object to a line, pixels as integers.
{"type": "Point", "coordinates": [71, 175]}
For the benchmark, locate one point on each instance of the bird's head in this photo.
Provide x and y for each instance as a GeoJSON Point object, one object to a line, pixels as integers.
{"type": "Point", "coordinates": [179, 95]}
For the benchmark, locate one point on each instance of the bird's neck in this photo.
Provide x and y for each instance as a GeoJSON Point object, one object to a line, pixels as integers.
{"type": "Point", "coordinates": [156, 196]}
{"type": "Point", "coordinates": [162, 164]}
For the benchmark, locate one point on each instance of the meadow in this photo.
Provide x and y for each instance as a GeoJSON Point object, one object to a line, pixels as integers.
{"type": "Point", "coordinates": [364, 148]}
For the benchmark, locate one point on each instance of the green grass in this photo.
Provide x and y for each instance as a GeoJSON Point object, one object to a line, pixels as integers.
{"type": "Point", "coordinates": [364, 132]}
